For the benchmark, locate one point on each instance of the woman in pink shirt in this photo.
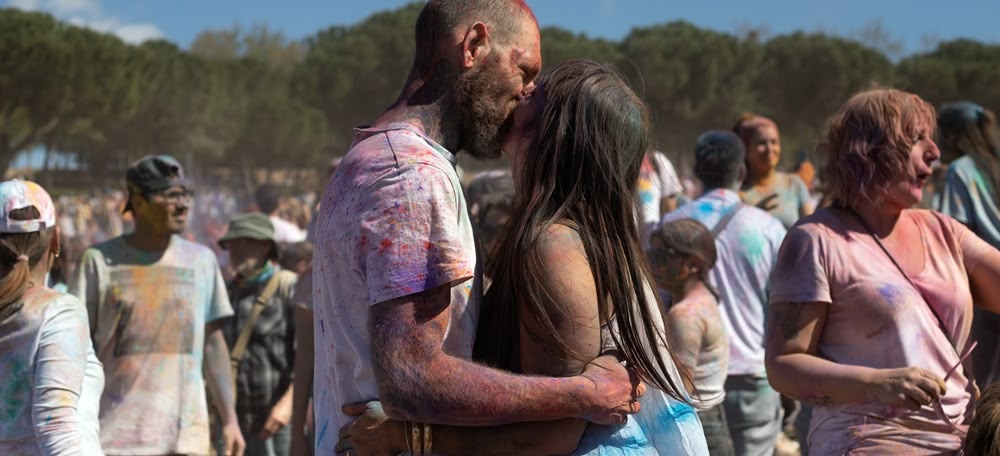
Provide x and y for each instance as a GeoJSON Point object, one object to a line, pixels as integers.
{"type": "Point", "coordinates": [871, 300]}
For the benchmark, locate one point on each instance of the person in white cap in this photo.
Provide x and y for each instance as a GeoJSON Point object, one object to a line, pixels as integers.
{"type": "Point", "coordinates": [51, 379]}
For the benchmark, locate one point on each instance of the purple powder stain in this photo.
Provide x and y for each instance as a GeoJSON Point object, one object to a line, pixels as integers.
{"type": "Point", "coordinates": [893, 296]}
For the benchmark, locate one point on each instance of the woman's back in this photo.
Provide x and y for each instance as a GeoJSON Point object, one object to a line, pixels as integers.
{"type": "Point", "coordinates": [968, 198]}
{"type": "Point", "coordinates": [50, 395]}
{"type": "Point", "coordinates": [711, 361]}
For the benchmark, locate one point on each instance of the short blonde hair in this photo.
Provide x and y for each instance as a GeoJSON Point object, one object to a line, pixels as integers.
{"type": "Point", "coordinates": [869, 142]}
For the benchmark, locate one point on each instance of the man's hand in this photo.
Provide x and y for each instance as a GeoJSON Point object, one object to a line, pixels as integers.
{"type": "Point", "coordinates": [616, 391]}
{"type": "Point", "coordinates": [281, 415]}
{"type": "Point", "coordinates": [233, 439]}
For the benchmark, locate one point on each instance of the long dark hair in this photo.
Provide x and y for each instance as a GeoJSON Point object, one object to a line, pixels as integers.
{"type": "Point", "coordinates": [585, 157]}
{"type": "Point", "coordinates": [33, 247]}
{"type": "Point", "coordinates": [972, 130]}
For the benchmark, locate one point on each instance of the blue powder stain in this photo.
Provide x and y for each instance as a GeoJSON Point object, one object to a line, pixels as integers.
{"type": "Point", "coordinates": [646, 197]}
{"type": "Point", "coordinates": [322, 432]}
{"type": "Point", "coordinates": [705, 207]}
{"type": "Point", "coordinates": [893, 296]}
{"type": "Point", "coordinates": [322, 326]}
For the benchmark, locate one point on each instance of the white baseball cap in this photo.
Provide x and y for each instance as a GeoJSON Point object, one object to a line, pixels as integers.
{"type": "Point", "coordinates": [18, 194]}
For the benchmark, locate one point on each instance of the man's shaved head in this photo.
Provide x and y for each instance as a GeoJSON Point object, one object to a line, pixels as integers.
{"type": "Point", "coordinates": [440, 18]}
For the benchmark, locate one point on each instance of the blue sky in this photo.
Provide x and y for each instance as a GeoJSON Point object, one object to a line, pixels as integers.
{"type": "Point", "coordinates": [914, 22]}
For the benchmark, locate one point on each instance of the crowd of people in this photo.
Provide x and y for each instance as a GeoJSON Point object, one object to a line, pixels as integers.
{"type": "Point", "coordinates": [585, 301]}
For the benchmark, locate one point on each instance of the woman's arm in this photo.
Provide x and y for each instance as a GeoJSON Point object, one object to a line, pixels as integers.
{"type": "Point", "coordinates": [983, 280]}
{"type": "Point", "coordinates": [303, 380]}
{"type": "Point", "coordinates": [60, 366]}
{"type": "Point", "coordinates": [794, 369]}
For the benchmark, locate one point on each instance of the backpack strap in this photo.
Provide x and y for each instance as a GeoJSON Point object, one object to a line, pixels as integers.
{"type": "Point", "coordinates": [724, 221]}
{"type": "Point", "coordinates": [240, 347]}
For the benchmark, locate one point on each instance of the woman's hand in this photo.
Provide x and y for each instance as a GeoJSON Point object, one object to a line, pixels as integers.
{"type": "Point", "coordinates": [372, 433]}
{"type": "Point", "coordinates": [909, 387]}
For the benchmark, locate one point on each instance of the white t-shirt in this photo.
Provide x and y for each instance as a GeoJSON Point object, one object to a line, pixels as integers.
{"type": "Point", "coordinates": [393, 222]}
{"type": "Point", "coordinates": [147, 315]}
{"type": "Point", "coordinates": [286, 232]}
{"type": "Point", "coordinates": [747, 249]}
{"type": "Point", "coordinates": [657, 180]}
{"type": "Point", "coordinates": [52, 380]}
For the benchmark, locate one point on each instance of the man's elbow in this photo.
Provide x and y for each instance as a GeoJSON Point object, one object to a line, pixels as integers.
{"type": "Point", "coordinates": [399, 405]}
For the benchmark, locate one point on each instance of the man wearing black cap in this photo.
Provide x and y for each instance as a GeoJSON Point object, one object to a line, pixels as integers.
{"type": "Point", "coordinates": [261, 334]}
{"type": "Point", "coordinates": [155, 303]}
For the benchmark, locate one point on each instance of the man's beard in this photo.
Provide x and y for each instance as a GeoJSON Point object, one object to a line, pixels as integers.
{"type": "Point", "coordinates": [483, 104]}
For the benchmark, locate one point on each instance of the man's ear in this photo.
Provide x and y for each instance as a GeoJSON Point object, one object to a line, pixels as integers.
{"type": "Point", "coordinates": [475, 44]}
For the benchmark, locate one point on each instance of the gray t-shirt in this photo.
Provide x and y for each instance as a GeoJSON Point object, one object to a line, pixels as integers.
{"type": "Point", "coordinates": [792, 195]}
{"type": "Point", "coordinates": [148, 313]}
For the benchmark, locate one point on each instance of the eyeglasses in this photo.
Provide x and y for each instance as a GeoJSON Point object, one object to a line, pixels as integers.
{"type": "Point", "coordinates": [938, 407]}
{"type": "Point", "coordinates": [176, 196]}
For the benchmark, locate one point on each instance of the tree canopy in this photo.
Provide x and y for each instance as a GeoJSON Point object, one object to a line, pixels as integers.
{"type": "Point", "coordinates": [250, 98]}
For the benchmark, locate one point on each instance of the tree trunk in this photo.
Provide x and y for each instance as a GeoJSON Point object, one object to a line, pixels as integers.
{"type": "Point", "coordinates": [7, 156]}
{"type": "Point", "coordinates": [9, 148]}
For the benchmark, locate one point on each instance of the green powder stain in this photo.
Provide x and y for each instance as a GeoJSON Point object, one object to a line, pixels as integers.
{"type": "Point", "coordinates": [15, 390]}
{"type": "Point", "coordinates": [753, 243]}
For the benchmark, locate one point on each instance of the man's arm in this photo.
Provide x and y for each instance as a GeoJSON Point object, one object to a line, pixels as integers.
{"type": "Point", "coordinates": [219, 379]}
{"type": "Point", "coordinates": [417, 381]}
{"type": "Point", "coordinates": [303, 379]}
{"type": "Point", "coordinates": [281, 414]}
{"type": "Point", "coordinates": [85, 286]}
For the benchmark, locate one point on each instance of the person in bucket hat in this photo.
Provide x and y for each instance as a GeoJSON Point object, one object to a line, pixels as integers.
{"type": "Point", "coordinates": [51, 376]}
{"type": "Point", "coordinates": [264, 360]}
{"type": "Point", "coordinates": [156, 304]}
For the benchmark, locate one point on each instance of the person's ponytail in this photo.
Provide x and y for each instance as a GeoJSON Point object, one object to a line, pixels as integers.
{"type": "Point", "coordinates": [15, 282]}
{"type": "Point", "coordinates": [19, 252]}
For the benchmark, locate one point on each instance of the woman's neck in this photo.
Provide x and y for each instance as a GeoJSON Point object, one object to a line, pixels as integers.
{"type": "Point", "coordinates": [764, 179]}
{"type": "Point", "coordinates": [880, 218]}
{"type": "Point", "coordinates": [694, 287]}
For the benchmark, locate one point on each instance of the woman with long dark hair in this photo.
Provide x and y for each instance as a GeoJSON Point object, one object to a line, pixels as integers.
{"type": "Point", "coordinates": [569, 278]}
{"type": "Point", "coordinates": [51, 379]}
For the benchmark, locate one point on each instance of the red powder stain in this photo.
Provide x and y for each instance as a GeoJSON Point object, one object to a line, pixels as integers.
{"type": "Point", "coordinates": [385, 244]}
{"type": "Point", "coordinates": [427, 246]}
{"type": "Point", "coordinates": [364, 241]}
